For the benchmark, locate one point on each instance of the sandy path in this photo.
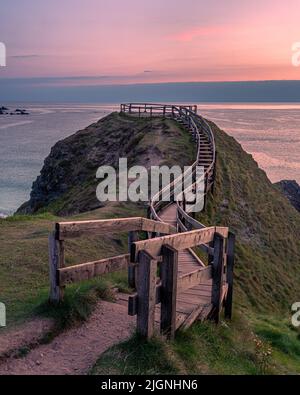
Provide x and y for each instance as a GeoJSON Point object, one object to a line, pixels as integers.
{"type": "Point", "coordinates": [76, 351]}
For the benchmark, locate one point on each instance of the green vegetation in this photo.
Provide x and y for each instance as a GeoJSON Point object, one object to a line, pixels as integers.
{"type": "Point", "coordinates": [267, 272]}
{"type": "Point", "coordinates": [24, 260]}
{"type": "Point", "coordinates": [24, 280]}
{"type": "Point", "coordinates": [242, 347]}
{"type": "Point", "coordinates": [68, 183]}
{"type": "Point", "coordinates": [260, 338]}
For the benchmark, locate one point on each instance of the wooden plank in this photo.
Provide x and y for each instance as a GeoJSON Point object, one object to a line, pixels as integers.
{"type": "Point", "coordinates": [133, 301]}
{"type": "Point", "coordinates": [195, 224]}
{"type": "Point", "coordinates": [205, 313]}
{"type": "Point", "coordinates": [185, 307]}
{"type": "Point", "coordinates": [189, 280]}
{"type": "Point", "coordinates": [218, 273]}
{"type": "Point", "coordinates": [169, 269]}
{"type": "Point", "coordinates": [146, 290]}
{"type": "Point", "coordinates": [196, 256]}
{"type": "Point", "coordinates": [223, 231]}
{"type": "Point", "coordinates": [149, 225]}
{"type": "Point", "coordinates": [193, 316]}
{"type": "Point", "coordinates": [89, 270]}
{"type": "Point", "coordinates": [229, 275]}
{"type": "Point", "coordinates": [76, 229]}
{"type": "Point", "coordinates": [179, 242]}
{"type": "Point", "coordinates": [180, 317]}
{"type": "Point", "coordinates": [193, 300]}
{"type": "Point", "coordinates": [55, 295]}
{"type": "Point", "coordinates": [203, 291]}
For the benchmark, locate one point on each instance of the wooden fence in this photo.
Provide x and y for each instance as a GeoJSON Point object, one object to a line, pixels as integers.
{"type": "Point", "coordinates": [60, 275]}
{"type": "Point", "coordinates": [153, 263]}
{"type": "Point", "coordinates": [162, 253]}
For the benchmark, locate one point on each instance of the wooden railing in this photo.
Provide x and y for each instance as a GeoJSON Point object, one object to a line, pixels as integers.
{"type": "Point", "coordinates": [198, 127]}
{"type": "Point", "coordinates": [60, 275]}
{"type": "Point", "coordinates": [161, 249]}
{"type": "Point", "coordinates": [153, 289]}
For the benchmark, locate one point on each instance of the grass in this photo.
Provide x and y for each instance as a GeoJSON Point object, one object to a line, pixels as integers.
{"type": "Point", "coordinates": [284, 340]}
{"type": "Point", "coordinates": [24, 238]}
{"type": "Point", "coordinates": [79, 302]}
{"type": "Point", "coordinates": [229, 349]}
{"type": "Point", "coordinates": [136, 357]}
{"type": "Point", "coordinates": [267, 276]}
{"type": "Point", "coordinates": [24, 259]}
{"type": "Point", "coordinates": [267, 272]}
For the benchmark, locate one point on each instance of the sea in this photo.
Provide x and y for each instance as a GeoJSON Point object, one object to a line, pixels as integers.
{"type": "Point", "coordinates": [270, 132]}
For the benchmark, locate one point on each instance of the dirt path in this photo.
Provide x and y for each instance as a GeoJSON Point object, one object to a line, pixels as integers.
{"type": "Point", "coordinates": [76, 350]}
{"type": "Point", "coordinates": [27, 335]}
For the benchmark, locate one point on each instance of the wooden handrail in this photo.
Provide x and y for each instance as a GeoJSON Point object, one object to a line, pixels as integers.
{"type": "Point", "coordinates": [73, 229]}
{"type": "Point", "coordinates": [162, 249]}
{"type": "Point", "coordinates": [188, 115]}
{"type": "Point", "coordinates": [178, 241]}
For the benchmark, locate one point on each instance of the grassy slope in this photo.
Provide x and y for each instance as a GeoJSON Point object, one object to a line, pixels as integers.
{"type": "Point", "coordinates": [266, 225]}
{"type": "Point", "coordinates": [23, 239]}
{"type": "Point", "coordinates": [267, 277]}
{"type": "Point", "coordinates": [265, 289]}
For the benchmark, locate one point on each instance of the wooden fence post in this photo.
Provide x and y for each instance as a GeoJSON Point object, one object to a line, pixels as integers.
{"type": "Point", "coordinates": [229, 275]}
{"type": "Point", "coordinates": [169, 271]}
{"type": "Point", "coordinates": [146, 291]}
{"type": "Point", "coordinates": [132, 238]}
{"type": "Point", "coordinates": [56, 261]}
{"type": "Point", "coordinates": [218, 275]}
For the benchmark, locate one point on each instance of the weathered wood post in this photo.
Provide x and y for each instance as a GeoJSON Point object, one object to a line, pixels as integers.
{"type": "Point", "coordinates": [56, 261]}
{"type": "Point", "coordinates": [218, 276]}
{"type": "Point", "coordinates": [132, 238]}
{"type": "Point", "coordinates": [146, 291]}
{"type": "Point", "coordinates": [169, 271]}
{"type": "Point", "coordinates": [229, 275]}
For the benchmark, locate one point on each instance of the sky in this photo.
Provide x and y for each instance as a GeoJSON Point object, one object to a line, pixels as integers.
{"type": "Point", "coordinates": [101, 42]}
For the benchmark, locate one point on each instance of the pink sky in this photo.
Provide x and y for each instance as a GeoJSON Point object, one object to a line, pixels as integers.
{"type": "Point", "coordinates": [157, 41]}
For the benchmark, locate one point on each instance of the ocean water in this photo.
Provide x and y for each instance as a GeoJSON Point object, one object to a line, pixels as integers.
{"type": "Point", "coordinates": [271, 133]}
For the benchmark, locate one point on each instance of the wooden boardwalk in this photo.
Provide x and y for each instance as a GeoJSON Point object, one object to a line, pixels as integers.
{"type": "Point", "coordinates": [174, 288]}
{"type": "Point", "coordinates": [198, 297]}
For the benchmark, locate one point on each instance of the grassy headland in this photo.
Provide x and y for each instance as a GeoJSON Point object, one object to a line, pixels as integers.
{"type": "Point", "coordinates": [267, 273]}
